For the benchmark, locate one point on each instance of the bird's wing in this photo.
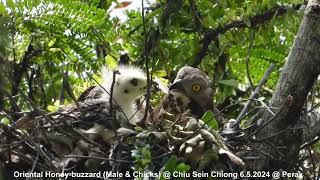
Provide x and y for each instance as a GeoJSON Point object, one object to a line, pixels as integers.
{"type": "Point", "coordinates": [85, 114]}
{"type": "Point", "coordinates": [78, 129]}
{"type": "Point", "coordinates": [92, 92]}
{"type": "Point", "coordinates": [173, 103]}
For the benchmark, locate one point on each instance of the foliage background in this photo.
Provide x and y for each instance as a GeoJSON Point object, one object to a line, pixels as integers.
{"type": "Point", "coordinates": [41, 41]}
{"type": "Point", "coordinates": [55, 37]}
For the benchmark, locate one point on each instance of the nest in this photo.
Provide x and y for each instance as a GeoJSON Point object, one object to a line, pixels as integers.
{"type": "Point", "coordinates": [84, 138]}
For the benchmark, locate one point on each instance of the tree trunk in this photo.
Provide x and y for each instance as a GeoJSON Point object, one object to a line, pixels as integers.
{"type": "Point", "coordinates": [278, 145]}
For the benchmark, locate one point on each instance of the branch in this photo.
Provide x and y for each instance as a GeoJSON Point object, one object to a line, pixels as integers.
{"type": "Point", "coordinates": [150, 41]}
{"type": "Point", "coordinates": [2, 84]}
{"type": "Point", "coordinates": [311, 127]}
{"type": "Point", "coordinates": [254, 21]}
{"type": "Point", "coordinates": [247, 58]}
{"type": "Point", "coordinates": [298, 76]}
{"type": "Point", "coordinates": [146, 60]}
{"type": "Point", "coordinates": [154, 35]}
{"type": "Point", "coordinates": [99, 158]}
{"type": "Point", "coordinates": [254, 94]}
{"type": "Point", "coordinates": [111, 93]}
{"type": "Point", "coordinates": [196, 15]}
{"type": "Point", "coordinates": [21, 68]}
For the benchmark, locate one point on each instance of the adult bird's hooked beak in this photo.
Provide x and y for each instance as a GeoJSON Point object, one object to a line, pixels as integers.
{"type": "Point", "coordinates": [177, 85]}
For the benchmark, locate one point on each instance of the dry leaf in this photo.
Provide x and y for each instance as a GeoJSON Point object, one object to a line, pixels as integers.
{"type": "Point", "coordinates": [236, 160]}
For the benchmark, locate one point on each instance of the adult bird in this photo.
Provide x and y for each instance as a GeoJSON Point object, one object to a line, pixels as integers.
{"type": "Point", "coordinates": [196, 85]}
{"type": "Point", "coordinates": [191, 90]}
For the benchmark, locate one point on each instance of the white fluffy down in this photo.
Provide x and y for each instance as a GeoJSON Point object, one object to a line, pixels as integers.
{"type": "Point", "coordinates": [125, 92]}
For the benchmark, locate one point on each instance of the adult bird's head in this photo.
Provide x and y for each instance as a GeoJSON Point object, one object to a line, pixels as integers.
{"type": "Point", "coordinates": [196, 85]}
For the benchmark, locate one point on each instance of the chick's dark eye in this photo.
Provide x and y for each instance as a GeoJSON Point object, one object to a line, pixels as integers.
{"type": "Point", "coordinates": [134, 82]}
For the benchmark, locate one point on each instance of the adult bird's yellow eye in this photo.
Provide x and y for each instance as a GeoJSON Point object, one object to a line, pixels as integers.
{"type": "Point", "coordinates": [196, 87]}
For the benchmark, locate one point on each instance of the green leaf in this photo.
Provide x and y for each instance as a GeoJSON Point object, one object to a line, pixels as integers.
{"type": "Point", "coordinates": [5, 121]}
{"type": "Point", "coordinates": [52, 108]}
{"type": "Point", "coordinates": [51, 43]}
{"type": "Point", "coordinates": [111, 62]}
{"type": "Point", "coordinates": [11, 4]}
{"type": "Point", "coordinates": [247, 21]}
{"type": "Point", "coordinates": [229, 82]}
{"type": "Point", "coordinates": [146, 153]}
{"type": "Point", "coordinates": [182, 167]}
{"type": "Point", "coordinates": [209, 119]}
{"type": "Point", "coordinates": [160, 73]}
{"type": "Point", "coordinates": [317, 146]}
{"type": "Point", "coordinates": [207, 158]}
{"type": "Point", "coordinates": [171, 164]}
{"type": "Point", "coordinates": [153, 13]}
{"type": "Point", "coordinates": [3, 9]}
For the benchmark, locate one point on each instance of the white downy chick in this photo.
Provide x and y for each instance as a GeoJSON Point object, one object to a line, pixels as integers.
{"type": "Point", "coordinates": [130, 85]}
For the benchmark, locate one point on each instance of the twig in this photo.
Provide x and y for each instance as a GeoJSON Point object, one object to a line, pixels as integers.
{"type": "Point", "coordinates": [140, 105]}
{"type": "Point", "coordinates": [165, 59]}
{"type": "Point", "coordinates": [106, 91]}
{"type": "Point", "coordinates": [67, 87]}
{"type": "Point", "coordinates": [278, 133]}
{"type": "Point", "coordinates": [86, 139]}
{"type": "Point", "coordinates": [236, 132]}
{"type": "Point", "coordinates": [216, 114]}
{"type": "Point", "coordinates": [12, 97]}
{"type": "Point", "coordinates": [34, 163]}
{"type": "Point", "coordinates": [247, 58]}
{"type": "Point", "coordinates": [196, 15]}
{"type": "Point", "coordinates": [46, 157]}
{"type": "Point", "coordinates": [315, 140]}
{"type": "Point", "coordinates": [162, 155]}
{"type": "Point", "coordinates": [146, 60]}
{"type": "Point", "coordinates": [266, 123]}
{"type": "Point", "coordinates": [262, 152]}
{"type": "Point", "coordinates": [285, 105]}
{"type": "Point", "coordinates": [254, 95]}
{"type": "Point", "coordinates": [39, 110]}
{"type": "Point", "coordinates": [172, 7]}
{"type": "Point", "coordinates": [180, 115]}
{"type": "Point", "coordinates": [254, 21]}
{"type": "Point", "coordinates": [139, 26]}
{"type": "Point", "coordinates": [28, 160]}
{"type": "Point", "coordinates": [111, 92]}
{"type": "Point", "coordinates": [312, 108]}
{"type": "Point", "coordinates": [13, 102]}
{"type": "Point", "coordinates": [313, 164]}
{"type": "Point", "coordinates": [17, 142]}
{"type": "Point", "coordinates": [275, 148]}
{"type": "Point", "coordinates": [318, 177]}
{"type": "Point", "coordinates": [99, 158]}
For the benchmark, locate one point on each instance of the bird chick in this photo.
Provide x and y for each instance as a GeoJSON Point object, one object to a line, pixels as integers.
{"type": "Point", "coordinates": [129, 85]}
